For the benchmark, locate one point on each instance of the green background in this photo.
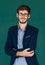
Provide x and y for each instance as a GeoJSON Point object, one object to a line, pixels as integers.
{"type": "Point", "coordinates": [8, 18]}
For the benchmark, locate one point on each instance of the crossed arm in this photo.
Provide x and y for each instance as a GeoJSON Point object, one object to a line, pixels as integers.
{"type": "Point", "coordinates": [25, 53]}
{"type": "Point", "coordinates": [13, 52]}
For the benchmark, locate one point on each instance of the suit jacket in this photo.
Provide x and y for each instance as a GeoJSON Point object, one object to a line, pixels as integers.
{"type": "Point", "coordinates": [29, 41]}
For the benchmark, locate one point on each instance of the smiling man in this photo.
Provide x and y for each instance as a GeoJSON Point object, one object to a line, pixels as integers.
{"type": "Point", "coordinates": [22, 39]}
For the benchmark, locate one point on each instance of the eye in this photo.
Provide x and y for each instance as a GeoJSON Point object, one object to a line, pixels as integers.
{"type": "Point", "coordinates": [21, 14]}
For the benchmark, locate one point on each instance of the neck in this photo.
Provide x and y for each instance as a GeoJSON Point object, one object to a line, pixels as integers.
{"type": "Point", "coordinates": [22, 26]}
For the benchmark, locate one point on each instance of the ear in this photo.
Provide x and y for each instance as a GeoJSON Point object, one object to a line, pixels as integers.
{"type": "Point", "coordinates": [28, 16]}
{"type": "Point", "coordinates": [17, 15]}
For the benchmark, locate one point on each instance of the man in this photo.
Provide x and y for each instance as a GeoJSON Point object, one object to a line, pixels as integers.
{"type": "Point", "coordinates": [22, 39]}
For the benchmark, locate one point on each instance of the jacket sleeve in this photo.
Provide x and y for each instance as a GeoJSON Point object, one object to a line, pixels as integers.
{"type": "Point", "coordinates": [9, 44]}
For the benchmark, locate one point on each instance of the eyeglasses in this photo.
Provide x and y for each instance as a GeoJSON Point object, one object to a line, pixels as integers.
{"type": "Point", "coordinates": [25, 14]}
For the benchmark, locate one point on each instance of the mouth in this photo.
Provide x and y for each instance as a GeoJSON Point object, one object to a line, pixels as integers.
{"type": "Point", "coordinates": [22, 18]}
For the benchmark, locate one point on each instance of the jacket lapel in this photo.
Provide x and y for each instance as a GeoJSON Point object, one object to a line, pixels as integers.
{"type": "Point", "coordinates": [26, 34]}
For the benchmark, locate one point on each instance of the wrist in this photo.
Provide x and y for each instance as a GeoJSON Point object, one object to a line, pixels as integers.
{"type": "Point", "coordinates": [19, 53]}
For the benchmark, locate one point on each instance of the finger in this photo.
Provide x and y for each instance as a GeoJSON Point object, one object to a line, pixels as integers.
{"type": "Point", "coordinates": [31, 54]}
{"type": "Point", "coordinates": [27, 49]}
{"type": "Point", "coordinates": [32, 51]}
{"type": "Point", "coordinates": [14, 49]}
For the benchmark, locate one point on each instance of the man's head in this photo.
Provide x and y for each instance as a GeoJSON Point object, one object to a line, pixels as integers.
{"type": "Point", "coordinates": [23, 13]}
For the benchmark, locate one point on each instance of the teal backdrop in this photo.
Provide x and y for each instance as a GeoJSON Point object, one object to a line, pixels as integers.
{"type": "Point", "coordinates": [8, 18]}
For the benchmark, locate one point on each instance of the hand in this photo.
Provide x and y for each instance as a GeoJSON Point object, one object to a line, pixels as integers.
{"type": "Point", "coordinates": [25, 53]}
{"type": "Point", "coordinates": [14, 49]}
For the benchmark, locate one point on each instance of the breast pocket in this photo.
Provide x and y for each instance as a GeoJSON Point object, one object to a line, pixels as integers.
{"type": "Point", "coordinates": [28, 36]}
{"type": "Point", "coordinates": [27, 41]}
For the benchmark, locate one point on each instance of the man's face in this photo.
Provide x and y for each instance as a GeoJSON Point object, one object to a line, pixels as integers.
{"type": "Point", "coordinates": [23, 16]}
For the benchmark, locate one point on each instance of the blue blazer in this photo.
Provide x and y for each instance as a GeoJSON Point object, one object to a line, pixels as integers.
{"type": "Point", "coordinates": [29, 41]}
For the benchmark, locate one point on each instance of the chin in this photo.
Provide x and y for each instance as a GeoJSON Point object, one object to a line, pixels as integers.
{"type": "Point", "coordinates": [22, 22]}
